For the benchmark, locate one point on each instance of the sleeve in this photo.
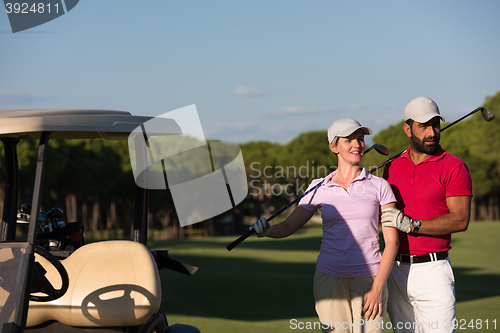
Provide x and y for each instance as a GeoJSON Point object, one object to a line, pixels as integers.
{"type": "Point", "coordinates": [311, 201]}
{"type": "Point", "coordinates": [386, 194]}
{"type": "Point", "coordinates": [459, 181]}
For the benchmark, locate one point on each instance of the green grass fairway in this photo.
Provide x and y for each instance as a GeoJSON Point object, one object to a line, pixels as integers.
{"type": "Point", "coordinates": [263, 284]}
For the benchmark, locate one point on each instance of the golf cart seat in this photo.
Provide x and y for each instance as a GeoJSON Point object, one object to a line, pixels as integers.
{"type": "Point", "coordinates": [111, 283]}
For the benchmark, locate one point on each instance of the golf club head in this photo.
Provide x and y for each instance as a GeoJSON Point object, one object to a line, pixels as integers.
{"type": "Point", "coordinates": [487, 114]}
{"type": "Point", "coordinates": [381, 149]}
{"type": "Point", "coordinates": [54, 213]}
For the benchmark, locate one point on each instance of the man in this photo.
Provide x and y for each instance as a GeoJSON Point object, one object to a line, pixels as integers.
{"type": "Point", "coordinates": [433, 189]}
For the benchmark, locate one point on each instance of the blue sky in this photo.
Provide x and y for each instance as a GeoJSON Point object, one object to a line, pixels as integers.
{"type": "Point", "coordinates": [257, 70]}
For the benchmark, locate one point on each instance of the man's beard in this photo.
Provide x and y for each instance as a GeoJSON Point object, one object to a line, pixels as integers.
{"type": "Point", "coordinates": [421, 147]}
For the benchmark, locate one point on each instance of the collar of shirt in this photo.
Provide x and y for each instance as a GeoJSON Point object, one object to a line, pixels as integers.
{"type": "Point", "coordinates": [438, 155]}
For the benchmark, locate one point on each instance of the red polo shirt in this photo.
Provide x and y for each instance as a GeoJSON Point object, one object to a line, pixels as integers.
{"type": "Point", "coordinates": [421, 191]}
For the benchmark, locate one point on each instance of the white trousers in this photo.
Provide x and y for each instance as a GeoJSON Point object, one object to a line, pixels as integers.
{"type": "Point", "coordinates": [422, 297]}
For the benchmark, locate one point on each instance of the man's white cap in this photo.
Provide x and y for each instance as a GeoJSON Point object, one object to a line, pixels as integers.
{"type": "Point", "coordinates": [345, 127]}
{"type": "Point", "coordinates": [422, 109]}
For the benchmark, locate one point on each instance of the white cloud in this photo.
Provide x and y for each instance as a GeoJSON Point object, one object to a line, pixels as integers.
{"type": "Point", "coordinates": [19, 96]}
{"type": "Point", "coordinates": [256, 91]}
{"type": "Point", "coordinates": [249, 91]}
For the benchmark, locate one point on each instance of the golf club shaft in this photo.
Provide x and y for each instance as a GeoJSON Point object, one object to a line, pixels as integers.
{"type": "Point", "coordinates": [462, 118]}
{"type": "Point", "coordinates": [252, 231]}
{"type": "Point", "coordinates": [369, 149]}
{"type": "Point", "coordinates": [443, 129]}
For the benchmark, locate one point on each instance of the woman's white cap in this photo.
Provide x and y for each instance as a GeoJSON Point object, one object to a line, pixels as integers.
{"type": "Point", "coordinates": [422, 109]}
{"type": "Point", "coordinates": [345, 127]}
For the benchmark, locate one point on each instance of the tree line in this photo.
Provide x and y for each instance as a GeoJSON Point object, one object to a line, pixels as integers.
{"type": "Point", "coordinates": [92, 180]}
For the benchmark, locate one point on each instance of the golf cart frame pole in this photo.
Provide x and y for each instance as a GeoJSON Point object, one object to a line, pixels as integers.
{"type": "Point", "coordinates": [35, 208]}
{"type": "Point", "coordinates": [8, 228]}
{"type": "Point", "coordinates": [141, 215]}
{"type": "Point", "coordinates": [140, 232]}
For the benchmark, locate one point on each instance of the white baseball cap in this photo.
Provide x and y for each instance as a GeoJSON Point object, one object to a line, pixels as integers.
{"type": "Point", "coordinates": [422, 109]}
{"type": "Point", "coordinates": [345, 127]}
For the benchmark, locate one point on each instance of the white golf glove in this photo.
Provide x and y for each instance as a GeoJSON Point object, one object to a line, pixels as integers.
{"type": "Point", "coordinates": [393, 217]}
{"type": "Point", "coordinates": [261, 227]}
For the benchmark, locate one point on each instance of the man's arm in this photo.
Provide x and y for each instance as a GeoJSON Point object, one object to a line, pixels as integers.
{"type": "Point", "coordinates": [457, 220]}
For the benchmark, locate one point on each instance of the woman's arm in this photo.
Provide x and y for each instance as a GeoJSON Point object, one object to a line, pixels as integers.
{"type": "Point", "coordinates": [372, 303]}
{"type": "Point", "coordinates": [294, 222]}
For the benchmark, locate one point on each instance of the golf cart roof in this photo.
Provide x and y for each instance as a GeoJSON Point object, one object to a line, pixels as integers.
{"type": "Point", "coordinates": [75, 123]}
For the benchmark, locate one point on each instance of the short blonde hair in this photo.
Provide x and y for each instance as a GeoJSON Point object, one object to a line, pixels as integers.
{"type": "Point", "coordinates": [335, 141]}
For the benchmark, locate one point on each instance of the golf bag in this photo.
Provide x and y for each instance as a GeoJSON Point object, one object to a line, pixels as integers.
{"type": "Point", "coordinates": [53, 234]}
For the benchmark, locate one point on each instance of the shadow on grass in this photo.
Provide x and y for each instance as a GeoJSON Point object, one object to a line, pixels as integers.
{"type": "Point", "coordinates": [470, 285]}
{"type": "Point", "coordinates": [232, 287]}
{"type": "Point", "coordinates": [254, 290]}
{"type": "Point", "coordinates": [270, 287]}
{"type": "Point", "coordinates": [240, 289]}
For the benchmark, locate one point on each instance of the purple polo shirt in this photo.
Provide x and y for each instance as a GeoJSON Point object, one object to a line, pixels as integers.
{"type": "Point", "coordinates": [349, 246]}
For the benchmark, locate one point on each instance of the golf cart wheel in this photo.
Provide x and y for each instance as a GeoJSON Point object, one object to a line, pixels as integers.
{"type": "Point", "coordinates": [43, 285]}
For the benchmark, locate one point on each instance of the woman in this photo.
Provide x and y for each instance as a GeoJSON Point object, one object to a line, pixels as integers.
{"type": "Point", "coordinates": [350, 279]}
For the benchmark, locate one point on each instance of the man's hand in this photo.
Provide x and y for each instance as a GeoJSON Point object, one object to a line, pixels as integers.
{"type": "Point", "coordinates": [393, 217]}
{"type": "Point", "coordinates": [261, 227]}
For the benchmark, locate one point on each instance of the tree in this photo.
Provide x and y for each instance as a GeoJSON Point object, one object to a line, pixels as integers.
{"type": "Point", "coordinates": [260, 158]}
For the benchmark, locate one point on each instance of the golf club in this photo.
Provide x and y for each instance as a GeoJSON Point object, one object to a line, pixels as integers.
{"type": "Point", "coordinates": [378, 147]}
{"type": "Point", "coordinates": [487, 115]}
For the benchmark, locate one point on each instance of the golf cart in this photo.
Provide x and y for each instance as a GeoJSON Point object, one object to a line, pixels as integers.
{"type": "Point", "coordinates": [47, 285]}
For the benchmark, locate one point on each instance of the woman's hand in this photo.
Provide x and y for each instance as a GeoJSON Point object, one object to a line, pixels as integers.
{"type": "Point", "coordinates": [372, 303]}
{"type": "Point", "coordinates": [261, 227]}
